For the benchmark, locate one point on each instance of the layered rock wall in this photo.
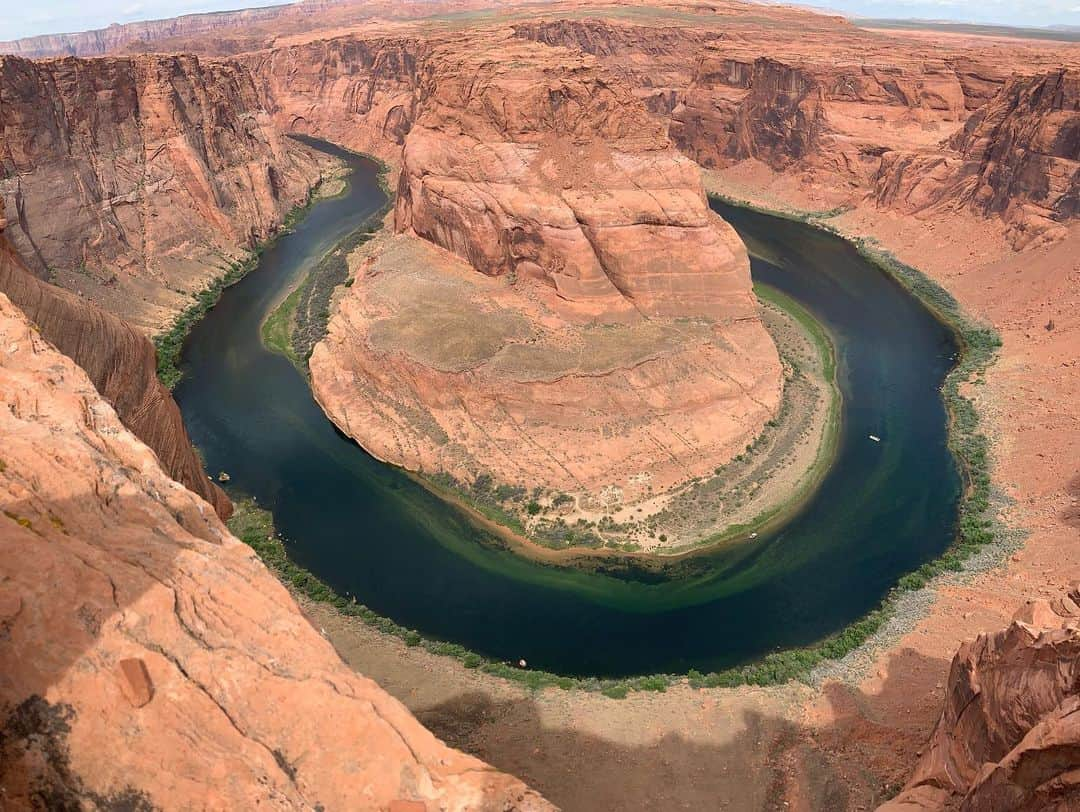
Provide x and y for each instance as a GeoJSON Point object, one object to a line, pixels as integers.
{"type": "Point", "coordinates": [1017, 156]}
{"type": "Point", "coordinates": [355, 92]}
{"type": "Point", "coordinates": [120, 362]}
{"type": "Point", "coordinates": [109, 40]}
{"type": "Point", "coordinates": [909, 128]}
{"type": "Point", "coordinates": [1009, 734]}
{"type": "Point", "coordinates": [554, 171]}
{"type": "Point", "coordinates": [136, 632]}
{"type": "Point", "coordinates": [134, 181]}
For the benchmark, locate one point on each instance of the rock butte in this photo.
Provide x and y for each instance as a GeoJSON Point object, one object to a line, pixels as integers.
{"type": "Point", "coordinates": [550, 177]}
{"type": "Point", "coordinates": [143, 172]}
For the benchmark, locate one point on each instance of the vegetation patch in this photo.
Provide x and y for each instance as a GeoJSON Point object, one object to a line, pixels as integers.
{"type": "Point", "coordinates": [300, 322]}
{"type": "Point", "coordinates": [170, 343]}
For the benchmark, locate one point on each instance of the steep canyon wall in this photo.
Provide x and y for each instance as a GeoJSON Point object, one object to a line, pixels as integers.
{"type": "Point", "coordinates": [905, 127]}
{"type": "Point", "coordinates": [134, 181]}
{"type": "Point", "coordinates": [135, 631]}
{"type": "Point", "coordinates": [120, 362]}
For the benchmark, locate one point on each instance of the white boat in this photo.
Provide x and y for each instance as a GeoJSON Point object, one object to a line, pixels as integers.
{"type": "Point", "coordinates": [875, 438]}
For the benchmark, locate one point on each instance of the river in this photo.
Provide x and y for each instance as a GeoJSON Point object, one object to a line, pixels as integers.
{"type": "Point", "coordinates": [366, 529]}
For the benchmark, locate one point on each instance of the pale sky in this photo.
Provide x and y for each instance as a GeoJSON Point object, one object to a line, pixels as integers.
{"type": "Point", "coordinates": [24, 18]}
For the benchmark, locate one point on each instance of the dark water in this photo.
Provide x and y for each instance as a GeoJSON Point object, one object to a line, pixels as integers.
{"type": "Point", "coordinates": [369, 531]}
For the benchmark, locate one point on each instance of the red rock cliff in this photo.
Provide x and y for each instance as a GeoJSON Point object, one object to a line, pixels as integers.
{"type": "Point", "coordinates": [596, 309]}
{"type": "Point", "coordinates": [133, 180]}
{"type": "Point", "coordinates": [549, 168]}
{"type": "Point", "coordinates": [1009, 735]}
{"type": "Point", "coordinates": [109, 40]}
{"type": "Point", "coordinates": [1017, 156]}
{"type": "Point", "coordinates": [136, 632]}
{"type": "Point", "coordinates": [120, 362]}
{"type": "Point", "coordinates": [355, 92]}
{"type": "Point", "coordinates": [912, 127]}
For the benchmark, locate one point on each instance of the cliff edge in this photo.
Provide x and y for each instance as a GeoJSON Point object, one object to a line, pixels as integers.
{"type": "Point", "coordinates": [136, 632]}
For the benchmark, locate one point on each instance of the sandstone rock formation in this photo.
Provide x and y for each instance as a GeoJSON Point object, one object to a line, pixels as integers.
{"type": "Point", "coordinates": [136, 632]}
{"type": "Point", "coordinates": [552, 356]}
{"type": "Point", "coordinates": [120, 362]}
{"type": "Point", "coordinates": [1009, 735]}
{"type": "Point", "coordinates": [550, 169]}
{"type": "Point", "coordinates": [228, 32]}
{"type": "Point", "coordinates": [856, 114]}
{"type": "Point", "coordinates": [110, 40]}
{"type": "Point", "coordinates": [778, 117]}
{"type": "Point", "coordinates": [437, 368]}
{"type": "Point", "coordinates": [133, 181]}
{"type": "Point", "coordinates": [355, 92]}
{"type": "Point", "coordinates": [1018, 155]}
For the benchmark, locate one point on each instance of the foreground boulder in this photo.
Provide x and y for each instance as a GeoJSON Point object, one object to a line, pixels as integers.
{"type": "Point", "coordinates": [149, 660]}
{"type": "Point", "coordinates": [1009, 735]}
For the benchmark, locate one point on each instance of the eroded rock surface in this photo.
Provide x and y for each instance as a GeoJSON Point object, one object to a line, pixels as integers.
{"type": "Point", "coordinates": [856, 114]}
{"type": "Point", "coordinates": [357, 92]}
{"type": "Point", "coordinates": [551, 169]}
{"type": "Point", "coordinates": [119, 360]}
{"type": "Point", "coordinates": [1009, 735]}
{"type": "Point", "coordinates": [590, 327]}
{"type": "Point", "coordinates": [1017, 156]}
{"type": "Point", "coordinates": [134, 181]}
{"type": "Point", "coordinates": [436, 367]}
{"type": "Point", "coordinates": [135, 631]}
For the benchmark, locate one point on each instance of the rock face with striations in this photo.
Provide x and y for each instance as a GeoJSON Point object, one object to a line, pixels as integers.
{"type": "Point", "coordinates": [1009, 734]}
{"type": "Point", "coordinates": [135, 631]}
{"type": "Point", "coordinates": [133, 181]}
{"type": "Point", "coordinates": [120, 362]}
{"type": "Point", "coordinates": [551, 169]}
{"type": "Point", "coordinates": [880, 119]}
{"type": "Point", "coordinates": [1017, 156]}
{"type": "Point", "coordinates": [355, 92]}
{"type": "Point", "coordinates": [573, 315]}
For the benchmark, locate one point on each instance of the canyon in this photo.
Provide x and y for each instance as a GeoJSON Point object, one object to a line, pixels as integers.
{"type": "Point", "coordinates": [132, 618]}
{"type": "Point", "coordinates": [549, 195]}
{"type": "Point", "coordinates": [141, 178]}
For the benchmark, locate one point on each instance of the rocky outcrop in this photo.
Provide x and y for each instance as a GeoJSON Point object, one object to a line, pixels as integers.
{"type": "Point", "coordinates": [601, 38]}
{"type": "Point", "coordinates": [775, 113]}
{"type": "Point", "coordinates": [913, 128]}
{"type": "Point", "coordinates": [1009, 735]}
{"type": "Point", "coordinates": [546, 352]}
{"type": "Point", "coordinates": [355, 92]}
{"type": "Point", "coordinates": [437, 368]}
{"type": "Point", "coordinates": [1017, 156]}
{"type": "Point", "coordinates": [551, 170]}
{"type": "Point", "coordinates": [136, 631]}
{"type": "Point", "coordinates": [119, 361]}
{"type": "Point", "coordinates": [132, 181]}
